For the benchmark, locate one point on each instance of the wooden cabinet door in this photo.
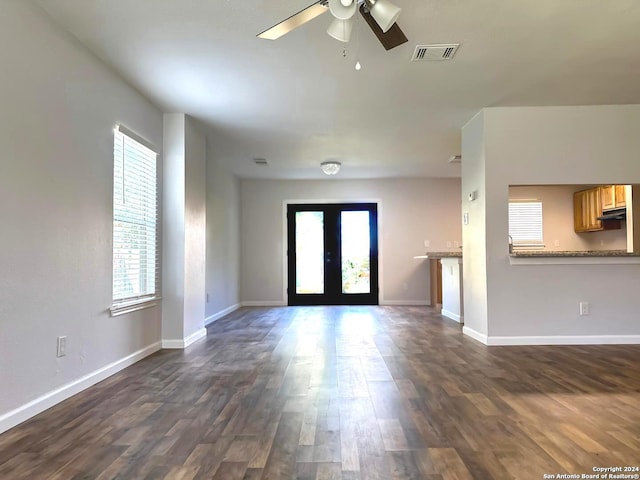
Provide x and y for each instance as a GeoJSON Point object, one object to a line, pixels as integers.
{"type": "Point", "coordinates": [595, 209]}
{"type": "Point", "coordinates": [587, 207]}
{"type": "Point", "coordinates": [608, 196]}
{"type": "Point", "coordinates": [579, 211]}
{"type": "Point", "coordinates": [435, 270]}
{"type": "Point", "coordinates": [620, 196]}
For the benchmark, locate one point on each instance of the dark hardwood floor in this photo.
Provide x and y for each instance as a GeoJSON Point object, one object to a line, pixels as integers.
{"type": "Point", "coordinates": [342, 393]}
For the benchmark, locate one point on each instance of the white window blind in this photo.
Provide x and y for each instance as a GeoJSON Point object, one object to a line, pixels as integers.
{"type": "Point", "coordinates": [135, 222]}
{"type": "Point", "coordinates": [525, 222]}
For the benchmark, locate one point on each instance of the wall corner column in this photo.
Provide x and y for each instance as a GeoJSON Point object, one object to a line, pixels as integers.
{"type": "Point", "coordinates": [184, 231]}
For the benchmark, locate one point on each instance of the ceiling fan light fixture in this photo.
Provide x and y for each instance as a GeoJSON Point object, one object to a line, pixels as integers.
{"type": "Point", "coordinates": [340, 29]}
{"type": "Point", "coordinates": [341, 11]}
{"type": "Point", "coordinates": [384, 13]}
{"type": "Point", "coordinates": [330, 167]}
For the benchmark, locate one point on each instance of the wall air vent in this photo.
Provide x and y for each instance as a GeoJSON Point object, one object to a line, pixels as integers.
{"type": "Point", "coordinates": [260, 161]}
{"type": "Point", "coordinates": [428, 53]}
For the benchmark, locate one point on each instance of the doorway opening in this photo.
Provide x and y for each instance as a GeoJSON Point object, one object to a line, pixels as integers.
{"type": "Point", "coordinates": [332, 254]}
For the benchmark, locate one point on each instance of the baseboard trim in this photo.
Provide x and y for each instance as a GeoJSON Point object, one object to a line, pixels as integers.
{"type": "Point", "coordinates": [195, 336]}
{"type": "Point", "coordinates": [48, 400]}
{"type": "Point", "coordinates": [264, 303]}
{"type": "Point", "coordinates": [567, 340]}
{"type": "Point", "coordinates": [480, 337]}
{"type": "Point", "coordinates": [184, 343]}
{"type": "Point", "coordinates": [220, 314]}
{"type": "Point", "coordinates": [404, 303]}
{"type": "Point", "coordinates": [452, 316]}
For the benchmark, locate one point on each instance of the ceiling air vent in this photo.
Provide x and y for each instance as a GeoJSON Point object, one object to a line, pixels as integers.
{"type": "Point", "coordinates": [427, 53]}
{"type": "Point", "coordinates": [260, 161]}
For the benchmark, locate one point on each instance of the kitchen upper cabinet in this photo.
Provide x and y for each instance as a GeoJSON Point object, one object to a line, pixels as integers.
{"type": "Point", "coordinates": [587, 207]}
{"type": "Point", "coordinates": [613, 196]}
{"type": "Point", "coordinates": [579, 212]}
{"type": "Point", "coordinates": [608, 196]}
{"type": "Point", "coordinates": [621, 196]}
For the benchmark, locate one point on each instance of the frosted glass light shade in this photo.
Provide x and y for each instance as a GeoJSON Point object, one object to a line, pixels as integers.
{"type": "Point", "coordinates": [385, 13]}
{"type": "Point", "coordinates": [340, 29]}
{"type": "Point", "coordinates": [341, 11]}
{"type": "Point", "coordinates": [330, 167]}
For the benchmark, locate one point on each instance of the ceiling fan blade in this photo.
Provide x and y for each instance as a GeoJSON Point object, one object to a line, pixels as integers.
{"type": "Point", "coordinates": [294, 21]}
{"type": "Point", "coordinates": [392, 38]}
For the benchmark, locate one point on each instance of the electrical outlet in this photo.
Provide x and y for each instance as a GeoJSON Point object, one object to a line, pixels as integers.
{"type": "Point", "coordinates": [456, 244]}
{"type": "Point", "coordinates": [584, 309]}
{"type": "Point", "coordinates": [62, 346]}
{"type": "Point", "coordinates": [556, 243]}
{"type": "Point", "coordinates": [427, 243]}
{"type": "Point", "coordinates": [465, 218]}
{"type": "Point", "coordinates": [449, 244]}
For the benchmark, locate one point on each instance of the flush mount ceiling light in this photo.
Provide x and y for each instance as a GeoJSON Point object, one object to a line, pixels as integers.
{"type": "Point", "coordinates": [330, 167]}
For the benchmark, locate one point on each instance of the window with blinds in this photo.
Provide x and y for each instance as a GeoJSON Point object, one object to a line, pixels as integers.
{"type": "Point", "coordinates": [525, 223]}
{"type": "Point", "coordinates": [135, 222]}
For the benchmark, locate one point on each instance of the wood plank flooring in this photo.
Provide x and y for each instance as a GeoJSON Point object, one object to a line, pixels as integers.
{"type": "Point", "coordinates": [350, 393]}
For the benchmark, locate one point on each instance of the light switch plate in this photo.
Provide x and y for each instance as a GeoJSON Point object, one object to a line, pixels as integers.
{"type": "Point", "coordinates": [62, 347]}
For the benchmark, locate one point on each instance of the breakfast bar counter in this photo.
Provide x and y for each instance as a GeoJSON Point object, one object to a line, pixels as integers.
{"type": "Point", "coordinates": [445, 269]}
{"type": "Point", "coordinates": [592, 257]}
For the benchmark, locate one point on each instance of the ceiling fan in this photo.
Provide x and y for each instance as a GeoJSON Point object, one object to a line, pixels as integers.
{"type": "Point", "coordinates": [380, 15]}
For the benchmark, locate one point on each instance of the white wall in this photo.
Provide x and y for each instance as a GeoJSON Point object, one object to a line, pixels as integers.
{"type": "Point", "coordinates": [59, 107]}
{"type": "Point", "coordinates": [557, 145]}
{"type": "Point", "coordinates": [184, 225]}
{"type": "Point", "coordinates": [474, 235]}
{"type": "Point", "coordinates": [452, 294]}
{"type": "Point", "coordinates": [410, 211]}
{"type": "Point", "coordinates": [223, 241]}
{"type": "Point", "coordinates": [557, 220]}
{"type": "Point", "coordinates": [173, 227]}
{"type": "Point", "coordinates": [195, 228]}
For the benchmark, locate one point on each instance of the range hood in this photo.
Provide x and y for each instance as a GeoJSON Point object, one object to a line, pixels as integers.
{"type": "Point", "coordinates": [617, 214]}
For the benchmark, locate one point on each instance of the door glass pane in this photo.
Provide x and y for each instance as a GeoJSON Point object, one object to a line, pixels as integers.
{"type": "Point", "coordinates": [309, 252]}
{"type": "Point", "coordinates": [355, 252]}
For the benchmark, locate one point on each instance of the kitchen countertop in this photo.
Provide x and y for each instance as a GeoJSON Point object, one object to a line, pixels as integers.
{"type": "Point", "coordinates": [440, 255]}
{"type": "Point", "coordinates": [591, 253]}
{"type": "Point", "coordinates": [594, 257]}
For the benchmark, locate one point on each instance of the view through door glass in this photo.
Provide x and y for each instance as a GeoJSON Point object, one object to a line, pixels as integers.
{"type": "Point", "coordinates": [355, 247]}
{"type": "Point", "coordinates": [332, 254]}
{"type": "Point", "coordinates": [309, 252]}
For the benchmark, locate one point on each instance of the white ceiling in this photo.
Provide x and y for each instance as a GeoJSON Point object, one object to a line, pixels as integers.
{"type": "Point", "coordinates": [296, 101]}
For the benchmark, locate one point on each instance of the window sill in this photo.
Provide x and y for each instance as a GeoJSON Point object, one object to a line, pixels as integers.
{"type": "Point", "coordinates": [529, 246]}
{"type": "Point", "coordinates": [133, 305]}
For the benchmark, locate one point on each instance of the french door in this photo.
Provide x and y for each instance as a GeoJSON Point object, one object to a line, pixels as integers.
{"type": "Point", "coordinates": [332, 254]}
